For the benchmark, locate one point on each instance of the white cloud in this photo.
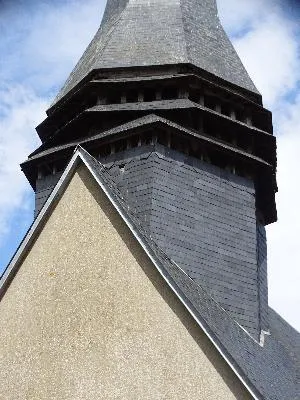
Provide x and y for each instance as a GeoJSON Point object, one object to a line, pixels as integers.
{"type": "Point", "coordinates": [64, 35]}
{"type": "Point", "coordinates": [20, 111]}
{"type": "Point", "coordinates": [41, 43]}
{"type": "Point", "coordinates": [240, 15]}
{"type": "Point", "coordinates": [266, 41]}
{"type": "Point", "coordinates": [46, 41]}
{"type": "Point", "coordinates": [270, 54]}
{"type": "Point", "coordinates": [284, 236]}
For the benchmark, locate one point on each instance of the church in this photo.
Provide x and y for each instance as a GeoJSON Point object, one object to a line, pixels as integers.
{"type": "Point", "coordinates": [144, 273]}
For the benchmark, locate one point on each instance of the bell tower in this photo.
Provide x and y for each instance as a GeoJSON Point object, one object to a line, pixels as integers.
{"type": "Point", "coordinates": [161, 98]}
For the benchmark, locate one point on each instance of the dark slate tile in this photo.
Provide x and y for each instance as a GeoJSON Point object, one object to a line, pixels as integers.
{"type": "Point", "coordinates": [271, 369]}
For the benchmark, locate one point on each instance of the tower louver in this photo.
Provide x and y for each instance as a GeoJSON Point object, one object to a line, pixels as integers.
{"type": "Point", "coordinates": [162, 99]}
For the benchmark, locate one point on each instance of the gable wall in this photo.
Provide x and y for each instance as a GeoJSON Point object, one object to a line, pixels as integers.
{"type": "Point", "coordinates": [87, 317]}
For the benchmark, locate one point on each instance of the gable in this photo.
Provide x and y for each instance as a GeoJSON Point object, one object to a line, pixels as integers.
{"type": "Point", "coordinates": [87, 316]}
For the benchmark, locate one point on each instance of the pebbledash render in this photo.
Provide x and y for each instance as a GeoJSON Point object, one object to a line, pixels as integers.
{"type": "Point", "coordinates": [144, 274]}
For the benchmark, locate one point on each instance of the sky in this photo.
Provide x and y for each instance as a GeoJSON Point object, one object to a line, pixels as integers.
{"type": "Point", "coordinates": [40, 42]}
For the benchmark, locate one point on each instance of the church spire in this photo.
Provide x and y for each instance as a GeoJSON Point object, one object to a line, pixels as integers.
{"type": "Point", "coordinates": [136, 33]}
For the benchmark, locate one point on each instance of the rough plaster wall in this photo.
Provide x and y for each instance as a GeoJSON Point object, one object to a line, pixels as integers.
{"type": "Point", "coordinates": [87, 317]}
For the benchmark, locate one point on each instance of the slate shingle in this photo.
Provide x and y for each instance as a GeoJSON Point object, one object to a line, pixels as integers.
{"type": "Point", "coordinates": [142, 33]}
{"type": "Point", "coordinates": [220, 246]}
{"type": "Point", "coordinates": [270, 369]}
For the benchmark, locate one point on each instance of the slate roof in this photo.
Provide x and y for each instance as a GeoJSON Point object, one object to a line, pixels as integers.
{"type": "Point", "coordinates": [145, 121]}
{"type": "Point", "coordinates": [137, 33]}
{"type": "Point", "coordinates": [287, 335]}
{"type": "Point", "coordinates": [268, 369]}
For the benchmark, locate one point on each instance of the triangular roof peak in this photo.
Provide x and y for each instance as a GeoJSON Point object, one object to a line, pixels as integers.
{"type": "Point", "coordinates": [252, 362]}
{"type": "Point", "coordinates": [136, 33]}
{"type": "Point", "coordinates": [168, 269]}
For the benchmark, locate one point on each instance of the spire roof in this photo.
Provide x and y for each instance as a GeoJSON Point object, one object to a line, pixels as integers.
{"type": "Point", "coordinates": [137, 33]}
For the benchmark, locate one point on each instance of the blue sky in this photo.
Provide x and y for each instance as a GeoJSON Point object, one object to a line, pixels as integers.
{"type": "Point", "coordinates": [42, 40]}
